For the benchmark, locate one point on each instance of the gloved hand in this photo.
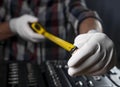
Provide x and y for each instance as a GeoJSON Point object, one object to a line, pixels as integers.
{"type": "Point", "coordinates": [21, 27]}
{"type": "Point", "coordinates": [95, 54]}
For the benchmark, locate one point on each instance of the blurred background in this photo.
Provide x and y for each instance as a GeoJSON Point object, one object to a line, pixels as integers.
{"type": "Point", "coordinates": [109, 12]}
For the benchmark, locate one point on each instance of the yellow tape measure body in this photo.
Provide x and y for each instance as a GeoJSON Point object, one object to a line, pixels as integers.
{"type": "Point", "coordinates": [37, 27]}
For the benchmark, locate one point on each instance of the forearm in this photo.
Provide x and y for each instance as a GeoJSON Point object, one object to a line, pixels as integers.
{"type": "Point", "coordinates": [88, 24]}
{"type": "Point", "coordinates": [80, 14]}
{"type": "Point", "coordinates": [5, 31]}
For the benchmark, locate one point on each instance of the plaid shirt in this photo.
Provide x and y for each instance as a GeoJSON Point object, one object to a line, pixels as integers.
{"type": "Point", "coordinates": [59, 17]}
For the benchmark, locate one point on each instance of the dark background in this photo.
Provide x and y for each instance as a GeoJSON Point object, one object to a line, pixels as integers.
{"type": "Point", "coordinates": [109, 12]}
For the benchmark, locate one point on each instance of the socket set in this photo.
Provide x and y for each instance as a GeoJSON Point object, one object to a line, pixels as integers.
{"type": "Point", "coordinates": [51, 74]}
{"type": "Point", "coordinates": [58, 71]}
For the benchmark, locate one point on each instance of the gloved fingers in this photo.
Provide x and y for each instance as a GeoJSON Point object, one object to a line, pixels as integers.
{"type": "Point", "coordinates": [38, 36]}
{"type": "Point", "coordinates": [35, 40]}
{"type": "Point", "coordinates": [80, 55]}
{"type": "Point", "coordinates": [32, 39]}
{"type": "Point", "coordinates": [27, 30]}
{"type": "Point", "coordinates": [103, 69]}
{"type": "Point", "coordinates": [30, 35]}
{"type": "Point", "coordinates": [72, 71]}
{"type": "Point", "coordinates": [85, 66]}
{"type": "Point", "coordinates": [105, 64]}
{"type": "Point", "coordinates": [80, 40]}
{"type": "Point", "coordinates": [99, 63]}
{"type": "Point", "coordinates": [100, 68]}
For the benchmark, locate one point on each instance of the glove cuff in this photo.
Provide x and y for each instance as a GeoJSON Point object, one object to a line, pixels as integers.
{"type": "Point", "coordinates": [93, 31]}
{"type": "Point", "coordinates": [12, 24]}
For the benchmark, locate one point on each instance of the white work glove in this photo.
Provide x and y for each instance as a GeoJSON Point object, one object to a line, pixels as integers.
{"type": "Point", "coordinates": [21, 27]}
{"type": "Point", "coordinates": [95, 54]}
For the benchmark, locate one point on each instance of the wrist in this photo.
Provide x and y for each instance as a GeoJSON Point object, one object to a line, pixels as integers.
{"type": "Point", "coordinates": [90, 24]}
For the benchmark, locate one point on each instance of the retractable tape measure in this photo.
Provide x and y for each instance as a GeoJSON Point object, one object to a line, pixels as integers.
{"type": "Point", "coordinates": [38, 28]}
